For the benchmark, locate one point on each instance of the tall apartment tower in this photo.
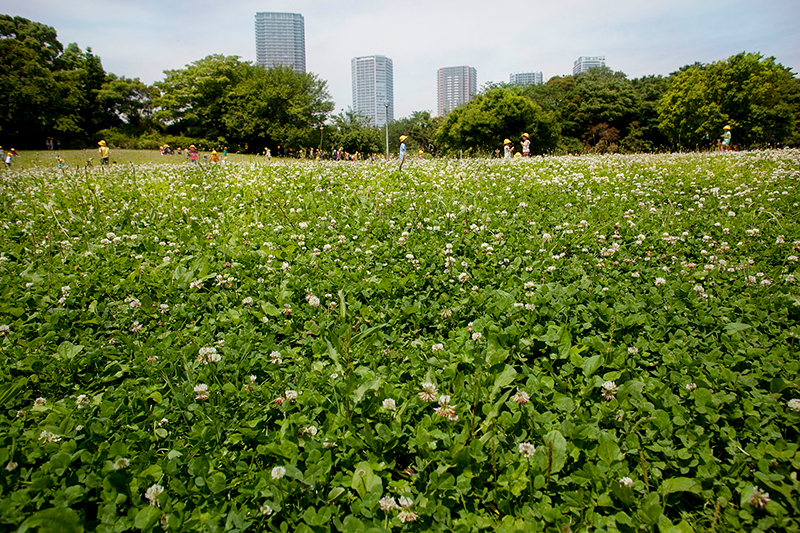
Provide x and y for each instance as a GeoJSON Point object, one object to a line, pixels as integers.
{"type": "Point", "coordinates": [582, 64]}
{"type": "Point", "coordinates": [281, 40]}
{"type": "Point", "coordinates": [373, 88]}
{"type": "Point", "coordinates": [456, 86]}
{"type": "Point", "coordinates": [526, 78]}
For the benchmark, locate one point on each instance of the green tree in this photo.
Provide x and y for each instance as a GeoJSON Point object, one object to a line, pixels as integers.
{"type": "Point", "coordinates": [598, 97]}
{"type": "Point", "coordinates": [352, 132]}
{"type": "Point", "coordinates": [755, 95]}
{"type": "Point", "coordinates": [503, 112]}
{"type": "Point", "coordinates": [421, 130]}
{"type": "Point", "coordinates": [28, 88]}
{"type": "Point", "coordinates": [193, 101]}
{"type": "Point", "coordinates": [277, 106]}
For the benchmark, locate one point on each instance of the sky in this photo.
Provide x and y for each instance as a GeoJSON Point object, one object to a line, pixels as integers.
{"type": "Point", "coordinates": [142, 38]}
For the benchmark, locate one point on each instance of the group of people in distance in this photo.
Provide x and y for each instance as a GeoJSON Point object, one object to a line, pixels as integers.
{"type": "Point", "coordinates": [7, 157]}
{"type": "Point", "coordinates": [508, 147]}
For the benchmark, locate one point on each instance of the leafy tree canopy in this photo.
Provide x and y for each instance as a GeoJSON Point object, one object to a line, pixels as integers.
{"type": "Point", "coordinates": [756, 96]}
{"type": "Point", "coordinates": [501, 112]}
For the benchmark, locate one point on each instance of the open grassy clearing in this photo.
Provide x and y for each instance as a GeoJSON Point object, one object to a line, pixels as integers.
{"type": "Point", "coordinates": [590, 343]}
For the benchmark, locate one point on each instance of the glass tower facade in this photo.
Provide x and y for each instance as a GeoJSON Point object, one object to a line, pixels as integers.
{"type": "Point", "coordinates": [373, 86]}
{"type": "Point", "coordinates": [456, 86]}
{"type": "Point", "coordinates": [281, 40]}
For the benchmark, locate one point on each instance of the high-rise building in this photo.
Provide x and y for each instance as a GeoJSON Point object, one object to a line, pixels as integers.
{"type": "Point", "coordinates": [373, 88]}
{"type": "Point", "coordinates": [456, 86]}
{"type": "Point", "coordinates": [281, 40]}
{"type": "Point", "coordinates": [582, 64]}
{"type": "Point", "coordinates": [526, 78]}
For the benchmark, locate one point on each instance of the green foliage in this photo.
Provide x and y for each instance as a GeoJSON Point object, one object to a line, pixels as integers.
{"type": "Point", "coordinates": [277, 106]}
{"type": "Point", "coordinates": [754, 95]}
{"type": "Point", "coordinates": [483, 123]}
{"type": "Point", "coordinates": [583, 343]}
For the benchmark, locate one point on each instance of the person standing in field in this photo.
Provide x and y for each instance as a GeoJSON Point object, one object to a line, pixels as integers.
{"type": "Point", "coordinates": [105, 154]}
{"type": "Point", "coordinates": [214, 157]}
{"type": "Point", "coordinates": [526, 145]}
{"type": "Point", "coordinates": [193, 154]}
{"type": "Point", "coordinates": [9, 156]}
{"type": "Point", "coordinates": [402, 154]}
{"type": "Point", "coordinates": [507, 149]}
{"type": "Point", "coordinates": [726, 138]}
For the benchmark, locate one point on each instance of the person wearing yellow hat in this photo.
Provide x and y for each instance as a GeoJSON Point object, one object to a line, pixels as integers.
{"type": "Point", "coordinates": [105, 153]}
{"type": "Point", "coordinates": [526, 145]}
{"type": "Point", "coordinates": [9, 156]}
{"type": "Point", "coordinates": [403, 146]}
{"type": "Point", "coordinates": [193, 154]}
{"type": "Point", "coordinates": [507, 149]}
{"type": "Point", "coordinates": [726, 138]}
{"type": "Point", "coordinates": [214, 157]}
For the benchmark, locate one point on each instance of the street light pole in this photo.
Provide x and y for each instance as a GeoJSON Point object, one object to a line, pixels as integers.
{"type": "Point", "coordinates": [386, 118]}
{"type": "Point", "coordinates": [320, 138]}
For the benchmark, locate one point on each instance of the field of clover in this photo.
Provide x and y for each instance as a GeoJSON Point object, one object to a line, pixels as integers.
{"type": "Point", "coordinates": [604, 343]}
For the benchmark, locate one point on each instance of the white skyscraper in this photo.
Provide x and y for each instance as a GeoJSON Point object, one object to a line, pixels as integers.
{"type": "Point", "coordinates": [526, 78]}
{"type": "Point", "coordinates": [456, 86]}
{"type": "Point", "coordinates": [582, 64]}
{"type": "Point", "coordinates": [281, 40]}
{"type": "Point", "coordinates": [373, 86]}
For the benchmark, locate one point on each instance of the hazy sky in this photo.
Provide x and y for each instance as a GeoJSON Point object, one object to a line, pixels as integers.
{"type": "Point", "coordinates": [142, 38]}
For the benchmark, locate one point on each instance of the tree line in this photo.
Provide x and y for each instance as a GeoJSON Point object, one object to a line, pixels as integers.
{"type": "Point", "coordinates": [62, 96]}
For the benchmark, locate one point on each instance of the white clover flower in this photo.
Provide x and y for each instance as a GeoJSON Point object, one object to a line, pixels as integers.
{"type": "Point", "coordinates": [389, 404]}
{"type": "Point", "coordinates": [628, 482]}
{"type": "Point", "coordinates": [633, 350]}
{"type": "Point", "coordinates": [526, 449]}
{"type": "Point", "coordinates": [152, 494]}
{"type": "Point", "coordinates": [609, 390]}
{"type": "Point", "coordinates": [201, 391]}
{"type": "Point", "coordinates": [407, 515]}
{"type": "Point", "coordinates": [428, 393]}
{"type": "Point", "coordinates": [312, 300]}
{"type": "Point", "coordinates": [11, 466]}
{"type": "Point", "coordinates": [208, 354]}
{"type": "Point", "coordinates": [247, 300]}
{"type": "Point", "coordinates": [405, 502]}
{"type": "Point", "coordinates": [291, 395]}
{"type": "Point", "coordinates": [46, 437]}
{"type": "Point", "coordinates": [275, 357]}
{"type": "Point", "coordinates": [121, 463]}
{"type": "Point", "coordinates": [476, 335]}
{"type": "Point", "coordinates": [278, 472]}
{"type": "Point", "coordinates": [39, 401]}
{"type": "Point", "coordinates": [521, 397]}
{"type": "Point", "coordinates": [794, 405]}
{"type": "Point", "coordinates": [265, 509]}
{"type": "Point", "coordinates": [4, 330]}
{"type": "Point", "coordinates": [387, 503]}
{"type": "Point", "coordinates": [759, 498]}
{"type": "Point", "coordinates": [691, 386]}
{"type": "Point", "coordinates": [463, 277]}
{"type": "Point", "coordinates": [81, 401]}
{"type": "Point", "coordinates": [437, 347]}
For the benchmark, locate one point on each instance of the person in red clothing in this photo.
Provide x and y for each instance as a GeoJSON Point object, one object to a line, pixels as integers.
{"type": "Point", "coordinates": [193, 154]}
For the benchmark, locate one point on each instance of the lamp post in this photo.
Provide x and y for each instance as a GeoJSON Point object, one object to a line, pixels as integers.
{"type": "Point", "coordinates": [386, 118]}
{"type": "Point", "coordinates": [320, 137]}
